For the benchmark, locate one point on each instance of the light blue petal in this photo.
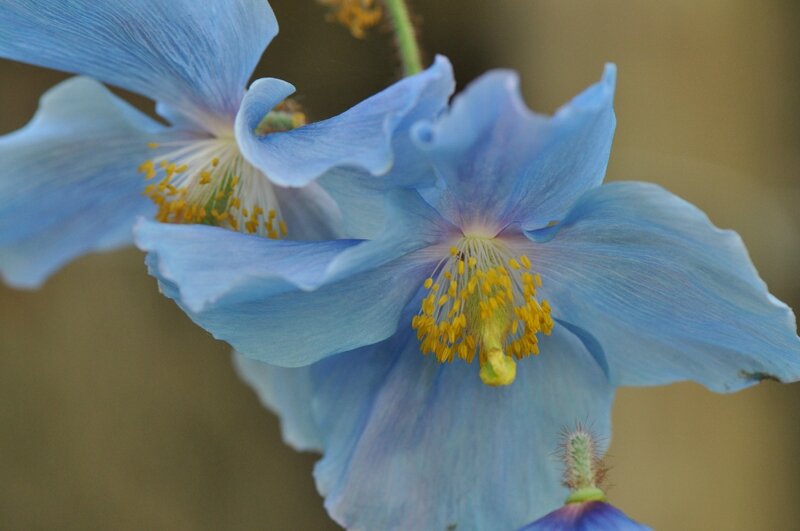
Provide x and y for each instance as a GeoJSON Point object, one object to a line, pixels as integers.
{"type": "Point", "coordinates": [208, 263]}
{"type": "Point", "coordinates": [310, 213]}
{"type": "Point", "coordinates": [503, 164]}
{"type": "Point", "coordinates": [414, 444]}
{"type": "Point", "coordinates": [287, 392]}
{"type": "Point", "coordinates": [361, 198]}
{"type": "Point", "coordinates": [666, 294]}
{"type": "Point", "coordinates": [282, 302]}
{"type": "Point", "coordinates": [69, 183]}
{"type": "Point", "coordinates": [361, 137]}
{"type": "Point", "coordinates": [587, 516]}
{"type": "Point", "coordinates": [195, 56]}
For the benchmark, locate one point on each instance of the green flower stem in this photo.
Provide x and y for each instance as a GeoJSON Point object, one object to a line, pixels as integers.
{"type": "Point", "coordinates": [407, 44]}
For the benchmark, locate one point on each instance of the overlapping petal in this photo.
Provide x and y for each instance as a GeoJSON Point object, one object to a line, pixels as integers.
{"type": "Point", "coordinates": [667, 295]}
{"type": "Point", "coordinates": [287, 392]}
{"type": "Point", "coordinates": [501, 163]}
{"type": "Point", "coordinates": [310, 213]}
{"type": "Point", "coordinates": [69, 182]}
{"type": "Point", "coordinates": [208, 264]}
{"type": "Point", "coordinates": [414, 444]}
{"type": "Point", "coordinates": [292, 303]}
{"type": "Point", "coordinates": [195, 57]}
{"type": "Point", "coordinates": [361, 137]}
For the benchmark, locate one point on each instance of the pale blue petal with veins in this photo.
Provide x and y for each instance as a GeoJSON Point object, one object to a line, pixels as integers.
{"type": "Point", "coordinates": [194, 59]}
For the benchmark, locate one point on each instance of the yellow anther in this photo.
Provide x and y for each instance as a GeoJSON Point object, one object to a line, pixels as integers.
{"type": "Point", "coordinates": [525, 261]}
{"type": "Point", "coordinates": [153, 145]}
{"type": "Point", "coordinates": [355, 15]}
{"type": "Point", "coordinates": [428, 283]}
{"type": "Point", "coordinates": [513, 263]}
{"type": "Point", "coordinates": [298, 119]}
{"type": "Point", "coordinates": [284, 229]}
{"type": "Point", "coordinates": [215, 162]}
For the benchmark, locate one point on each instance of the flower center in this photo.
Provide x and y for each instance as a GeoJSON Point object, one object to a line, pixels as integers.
{"type": "Point", "coordinates": [482, 300]}
{"type": "Point", "coordinates": [208, 181]}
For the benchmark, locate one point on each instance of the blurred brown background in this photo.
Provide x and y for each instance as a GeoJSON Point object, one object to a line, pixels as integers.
{"type": "Point", "coordinates": [117, 413]}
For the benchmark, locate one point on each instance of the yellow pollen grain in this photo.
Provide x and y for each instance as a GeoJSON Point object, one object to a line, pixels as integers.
{"type": "Point", "coordinates": [356, 15]}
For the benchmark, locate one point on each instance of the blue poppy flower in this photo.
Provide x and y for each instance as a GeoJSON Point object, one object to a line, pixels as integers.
{"type": "Point", "coordinates": [556, 287]}
{"type": "Point", "coordinates": [586, 516]}
{"type": "Point", "coordinates": [73, 179]}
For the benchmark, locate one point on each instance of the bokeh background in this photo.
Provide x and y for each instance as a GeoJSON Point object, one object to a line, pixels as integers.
{"type": "Point", "coordinates": [117, 413]}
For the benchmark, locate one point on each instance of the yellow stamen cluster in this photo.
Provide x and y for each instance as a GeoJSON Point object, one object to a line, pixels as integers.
{"type": "Point", "coordinates": [208, 183]}
{"type": "Point", "coordinates": [355, 15]}
{"type": "Point", "coordinates": [483, 301]}
{"type": "Point", "coordinates": [286, 116]}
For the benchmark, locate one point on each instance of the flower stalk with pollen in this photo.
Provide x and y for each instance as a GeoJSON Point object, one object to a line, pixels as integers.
{"type": "Point", "coordinates": [356, 15]}
{"type": "Point", "coordinates": [360, 15]}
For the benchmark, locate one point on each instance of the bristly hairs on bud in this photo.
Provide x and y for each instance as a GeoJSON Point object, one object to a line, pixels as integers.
{"type": "Point", "coordinates": [584, 470]}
